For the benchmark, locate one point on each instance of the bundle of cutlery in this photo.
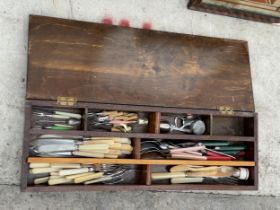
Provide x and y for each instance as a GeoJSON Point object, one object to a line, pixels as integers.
{"type": "Point", "coordinates": [56, 120]}
{"type": "Point", "coordinates": [191, 124]}
{"type": "Point", "coordinates": [205, 150]}
{"type": "Point", "coordinates": [75, 173]}
{"type": "Point", "coordinates": [115, 120]}
{"type": "Point", "coordinates": [68, 146]}
{"type": "Point", "coordinates": [183, 174]}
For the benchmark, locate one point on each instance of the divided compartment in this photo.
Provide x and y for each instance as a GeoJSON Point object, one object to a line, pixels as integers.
{"type": "Point", "coordinates": [135, 143]}
{"type": "Point", "coordinates": [141, 177]}
{"type": "Point", "coordinates": [167, 182]}
{"type": "Point", "coordinates": [246, 154]}
{"type": "Point", "coordinates": [136, 175]}
{"type": "Point", "coordinates": [150, 127]}
{"type": "Point", "coordinates": [170, 119]}
{"type": "Point", "coordinates": [232, 126]}
{"type": "Point", "coordinates": [39, 122]}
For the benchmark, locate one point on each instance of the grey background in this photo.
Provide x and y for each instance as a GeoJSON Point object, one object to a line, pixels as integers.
{"type": "Point", "coordinates": [165, 15]}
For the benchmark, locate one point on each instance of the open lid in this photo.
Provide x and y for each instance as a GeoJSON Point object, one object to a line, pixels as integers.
{"type": "Point", "coordinates": [109, 64]}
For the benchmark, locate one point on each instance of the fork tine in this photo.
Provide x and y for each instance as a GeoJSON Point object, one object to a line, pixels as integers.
{"type": "Point", "coordinates": [114, 181]}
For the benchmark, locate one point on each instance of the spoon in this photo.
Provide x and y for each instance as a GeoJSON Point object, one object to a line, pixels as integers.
{"type": "Point", "coordinates": [68, 122]}
{"type": "Point", "coordinates": [197, 127]}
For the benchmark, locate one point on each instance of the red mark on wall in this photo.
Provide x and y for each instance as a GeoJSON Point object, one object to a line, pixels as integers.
{"type": "Point", "coordinates": [124, 23]}
{"type": "Point", "coordinates": [147, 25]}
{"type": "Point", "coordinates": [107, 21]}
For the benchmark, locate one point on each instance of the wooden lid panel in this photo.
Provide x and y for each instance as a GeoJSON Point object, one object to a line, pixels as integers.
{"type": "Point", "coordinates": [109, 64]}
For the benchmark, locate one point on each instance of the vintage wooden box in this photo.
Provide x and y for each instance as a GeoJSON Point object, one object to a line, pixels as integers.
{"type": "Point", "coordinates": [255, 10]}
{"type": "Point", "coordinates": [83, 66]}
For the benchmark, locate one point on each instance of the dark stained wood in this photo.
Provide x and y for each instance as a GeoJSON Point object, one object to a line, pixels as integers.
{"type": "Point", "coordinates": [211, 124]}
{"type": "Point", "coordinates": [25, 147]}
{"type": "Point", "coordinates": [249, 126]}
{"type": "Point", "coordinates": [110, 64]}
{"type": "Point", "coordinates": [148, 175]}
{"type": "Point", "coordinates": [136, 143]}
{"type": "Point", "coordinates": [144, 135]}
{"type": "Point", "coordinates": [145, 171]}
{"type": "Point", "coordinates": [220, 10]}
{"type": "Point", "coordinates": [154, 121]}
{"type": "Point", "coordinates": [71, 188]}
{"type": "Point", "coordinates": [85, 119]}
{"type": "Point", "coordinates": [256, 149]}
{"type": "Point", "coordinates": [120, 107]}
{"type": "Point", "coordinates": [232, 126]}
{"type": "Point", "coordinates": [150, 72]}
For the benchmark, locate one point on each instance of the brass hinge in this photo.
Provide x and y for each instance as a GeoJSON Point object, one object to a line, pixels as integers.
{"type": "Point", "coordinates": [66, 101]}
{"type": "Point", "coordinates": [226, 110]}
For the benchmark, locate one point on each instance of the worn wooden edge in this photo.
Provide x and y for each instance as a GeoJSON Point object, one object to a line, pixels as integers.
{"type": "Point", "coordinates": [157, 122]}
{"type": "Point", "coordinates": [85, 119]}
{"type": "Point", "coordinates": [46, 19]}
{"type": "Point", "coordinates": [148, 178]}
{"type": "Point", "coordinates": [125, 107]}
{"type": "Point", "coordinates": [136, 143]}
{"type": "Point", "coordinates": [25, 147]}
{"type": "Point", "coordinates": [138, 161]}
{"type": "Point", "coordinates": [144, 135]}
{"type": "Point", "coordinates": [164, 188]}
{"type": "Point", "coordinates": [197, 5]}
{"type": "Point", "coordinates": [154, 122]}
{"type": "Point", "coordinates": [256, 149]}
{"type": "Point", "coordinates": [211, 124]}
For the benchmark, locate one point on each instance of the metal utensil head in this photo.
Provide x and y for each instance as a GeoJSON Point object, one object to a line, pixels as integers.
{"type": "Point", "coordinates": [47, 141]}
{"type": "Point", "coordinates": [198, 127]}
{"type": "Point", "coordinates": [50, 148]}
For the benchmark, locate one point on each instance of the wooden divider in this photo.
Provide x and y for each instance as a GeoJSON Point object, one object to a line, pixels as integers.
{"type": "Point", "coordinates": [154, 121]}
{"type": "Point", "coordinates": [138, 162]}
{"type": "Point", "coordinates": [136, 143]}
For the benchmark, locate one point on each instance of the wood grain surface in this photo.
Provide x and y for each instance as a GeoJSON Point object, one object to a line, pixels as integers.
{"type": "Point", "coordinates": [110, 64]}
{"type": "Point", "coordinates": [139, 161]}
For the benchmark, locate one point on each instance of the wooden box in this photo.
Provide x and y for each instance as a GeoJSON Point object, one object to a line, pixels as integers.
{"type": "Point", "coordinates": [255, 10]}
{"type": "Point", "coordinates": [83, 66]}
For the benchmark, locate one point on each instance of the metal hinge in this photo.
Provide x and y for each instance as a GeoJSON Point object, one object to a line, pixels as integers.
{"type": "Point", "coordinates": [226, 110]}
{"type": "Point", "coordinates": [66, 101]}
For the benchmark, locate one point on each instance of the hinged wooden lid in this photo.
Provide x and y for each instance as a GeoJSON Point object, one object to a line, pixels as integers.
{"type": "Point", "coordinates": [108, 64]}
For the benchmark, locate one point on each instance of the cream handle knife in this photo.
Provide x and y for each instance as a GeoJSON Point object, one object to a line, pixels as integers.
{"type": "Point", "coordinates": [39, 165]}
{"type": "Point", "coordinates": [59, 181]}
{"type": "Point", "coordinates": [74, 171]}
{"type": "Point", "coordinates": [88, 154]}
{"type": "Point", "coordinates": [84, 147]}
{"type": "Point", "coordinates": [88, 177]}
{"type": "Point", "coordinates": [68, 114]}
{"type": "Point", "coordinates": [42, 170]}
{"type": "Point", "coordinates": [41, 180]}
{"type": "Point", "coordinates": [65, 165]}
{"type": "Point", "coordinates": [187, 180]}
{"type": "Point", "coordinates": [126, 147]}
{"type": "Point", "coordinates": [74, 176]}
